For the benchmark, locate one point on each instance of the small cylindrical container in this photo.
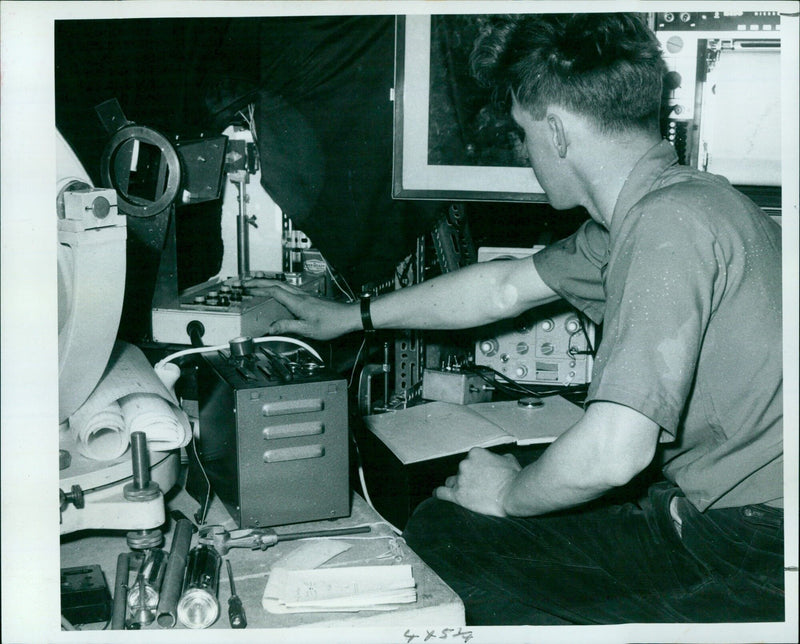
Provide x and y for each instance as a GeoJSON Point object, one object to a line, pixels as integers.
{"type": "Point", "coordinates": [151, 572]}
{"type": "Point", "coordinates": [199, 606]}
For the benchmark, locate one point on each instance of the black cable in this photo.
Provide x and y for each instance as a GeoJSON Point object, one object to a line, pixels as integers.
{"type": "Point", "coordinates": [513, 388]}
{"type": "Point", "coordinates": [582, 320]}
{"type": "Point", "coordinates": [498, 385]}
{"type": "Point", "coordinates": [579, 352]}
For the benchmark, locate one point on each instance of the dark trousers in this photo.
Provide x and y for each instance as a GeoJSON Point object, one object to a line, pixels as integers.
{"type": "Point", "coordinates": [610, 564]}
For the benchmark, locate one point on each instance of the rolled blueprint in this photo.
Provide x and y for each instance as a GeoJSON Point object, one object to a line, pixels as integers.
{"type": "Point", "coordinates": [153, 415]}
{"type": "Point", "coordinates": [104, 436]}
{"type": "Point", "coordinates": [129, 397]}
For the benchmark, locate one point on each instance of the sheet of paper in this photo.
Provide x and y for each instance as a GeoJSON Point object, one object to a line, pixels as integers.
{"type": "Point", "coordinates": [312, 554]}
{"type": "Point", "coordinates": [433, 430]}
{"type": "Point", "coordinates": [531, 425]}
{"type": "Point", "coordinates": [339, 589]}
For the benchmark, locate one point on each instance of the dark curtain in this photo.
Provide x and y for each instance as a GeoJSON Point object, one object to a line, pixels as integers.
{"type": "Point", "coordinates": [323, 121]}
{"type": "Point", "coordinates": [323, 117]}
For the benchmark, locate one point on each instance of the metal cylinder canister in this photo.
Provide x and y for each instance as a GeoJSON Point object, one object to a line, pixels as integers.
{"type": "Point", "coordinates": [198, 606]}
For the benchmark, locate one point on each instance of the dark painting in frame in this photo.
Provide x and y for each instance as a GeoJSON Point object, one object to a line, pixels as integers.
{"type": "Point", "coordinates": [452, 140]}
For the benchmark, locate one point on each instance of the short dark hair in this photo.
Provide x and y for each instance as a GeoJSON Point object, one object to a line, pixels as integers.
{"type": "Point", "coordinates": [607, 66]}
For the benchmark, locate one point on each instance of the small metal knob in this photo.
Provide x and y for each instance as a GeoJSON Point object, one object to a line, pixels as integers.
{"type": "Point", "coordinates": [100, 207]}
{"type": "Point", "coordinates": [489, 347]}
{"type": "Point", "coordinates": [242, 346]}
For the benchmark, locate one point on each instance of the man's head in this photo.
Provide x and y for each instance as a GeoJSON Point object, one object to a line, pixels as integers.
{"type": "Point", "coordinates": [606, 67]}
{"type": "Point", "coordinates": [585, 92]}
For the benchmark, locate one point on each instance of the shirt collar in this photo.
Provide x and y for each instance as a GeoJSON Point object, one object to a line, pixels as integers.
{"type": "Point", "coordinates": [641, 179]}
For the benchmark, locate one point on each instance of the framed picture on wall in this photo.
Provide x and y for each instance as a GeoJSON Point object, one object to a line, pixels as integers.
{"type": "Point", "coordinates": [452, 140]}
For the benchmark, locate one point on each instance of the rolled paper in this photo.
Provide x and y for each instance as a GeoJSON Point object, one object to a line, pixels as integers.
{"type": "Point", "coordinates": [103, 436]}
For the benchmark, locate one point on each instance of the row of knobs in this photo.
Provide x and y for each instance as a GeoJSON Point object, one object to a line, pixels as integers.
{"type": "Point", "coordinates": [491, 346]}
{"type": "Point", "coordinates": [226, 294]}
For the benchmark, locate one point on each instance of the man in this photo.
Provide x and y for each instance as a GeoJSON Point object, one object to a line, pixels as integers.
{"type": "Point", "coordinates": [684, 274]}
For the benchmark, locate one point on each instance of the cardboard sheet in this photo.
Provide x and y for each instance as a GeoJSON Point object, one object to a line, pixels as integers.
{"type": "Point", "coordinates": [532, 425]}
{"type": "Point", "coordinates": [439, 429]}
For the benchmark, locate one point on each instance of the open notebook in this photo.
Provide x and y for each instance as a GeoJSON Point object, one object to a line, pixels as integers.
{"type": "Point", "coordinates": [438, 429]}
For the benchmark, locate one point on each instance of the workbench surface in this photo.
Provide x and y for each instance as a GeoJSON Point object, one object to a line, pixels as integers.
{"type": "Point", "coordinates": [436, 604]}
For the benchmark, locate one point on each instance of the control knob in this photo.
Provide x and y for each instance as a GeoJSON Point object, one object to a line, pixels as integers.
{"type": "Point", "coordinates": [489, 347]}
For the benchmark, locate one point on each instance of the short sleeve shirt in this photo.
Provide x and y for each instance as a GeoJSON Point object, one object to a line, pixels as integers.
{"type": "Point", "coordinates": [687, 285]}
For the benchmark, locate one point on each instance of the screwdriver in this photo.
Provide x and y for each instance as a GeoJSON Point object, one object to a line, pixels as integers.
{"type": "Point", "coordinates": [236, 614]}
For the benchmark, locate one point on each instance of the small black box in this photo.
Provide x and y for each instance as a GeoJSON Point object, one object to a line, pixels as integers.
{"type": "Point", "coordinates": [84, 595]}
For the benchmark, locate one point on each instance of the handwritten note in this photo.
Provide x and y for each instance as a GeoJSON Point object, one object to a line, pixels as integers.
{"type": "Point", "coordinates": [462, 634]}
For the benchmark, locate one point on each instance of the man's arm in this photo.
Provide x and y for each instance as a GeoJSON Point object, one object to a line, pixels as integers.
{"type": "Point", "coordinates": [605, 449]}
{"type": "Point", "coordinates": [478, 294]}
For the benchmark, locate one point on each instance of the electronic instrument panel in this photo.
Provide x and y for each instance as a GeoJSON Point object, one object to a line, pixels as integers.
{"type": "Point", "coordinates": [548, 345]}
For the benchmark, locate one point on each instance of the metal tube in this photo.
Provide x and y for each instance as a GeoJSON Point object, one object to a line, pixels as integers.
{"type": "Point", "coordinates": [120, 593]}
{"type": "Point", "coordinates": [386, 368]}
{"type": "Point", "coordinates": [333, 532]}
{"type": "Point", "coordinates": [173, 577]}
{"type": "Point", "coordinates": [242, 236]}
{"type": "Point", "coordinates": [141, 460]}
{"type": "Point", "coordinates": [157, 569]}
{"type": "Point", "coordinates": [199, 605]}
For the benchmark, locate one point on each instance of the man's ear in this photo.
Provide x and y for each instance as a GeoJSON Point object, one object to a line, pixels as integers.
{"type": "Point", "coordinates": [559, 136]}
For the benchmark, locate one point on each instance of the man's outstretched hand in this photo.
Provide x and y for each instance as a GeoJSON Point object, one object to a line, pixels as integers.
{"type": "Point", "coordinates": [314, 317]}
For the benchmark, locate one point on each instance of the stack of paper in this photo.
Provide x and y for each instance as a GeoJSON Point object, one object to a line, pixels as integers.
{"type": "Point", "coordinates": [345, 589]}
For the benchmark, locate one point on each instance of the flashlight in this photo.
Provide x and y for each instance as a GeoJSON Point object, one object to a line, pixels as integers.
{"type": "Point", "coordinates": [198, 606]}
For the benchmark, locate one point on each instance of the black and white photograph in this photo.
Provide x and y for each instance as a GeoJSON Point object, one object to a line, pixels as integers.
{"type": "Point", "coordinates": [400, 321]}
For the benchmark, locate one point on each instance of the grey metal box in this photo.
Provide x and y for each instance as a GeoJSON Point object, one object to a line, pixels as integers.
{"type": "Point", "coordinates": [274, 448]}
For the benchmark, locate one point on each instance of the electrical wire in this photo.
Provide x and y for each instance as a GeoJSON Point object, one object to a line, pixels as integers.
{"type": "Point", "coordinates": [251, 109]}
{"type": "Point", "coordinates": [355, 362]}
{"type": "Point", "coordinates": [348, 293]}
{"type": "Point", "coordinates": [582, 320]}
{"type": "Point", "coordinates": [573, 351]}
{"type": "Point", "coordinates": [207, 502]}
{"type": "Point", "coordinates": [221, 347]}
{"type": "Point", "coordinates": [249, 118]}
{"type": "Point", "coordinates": [513, 388]}
{"type": "Point", "coordinates": [363, 481]}
{"type": "Point", "coordinates": [346, 290]}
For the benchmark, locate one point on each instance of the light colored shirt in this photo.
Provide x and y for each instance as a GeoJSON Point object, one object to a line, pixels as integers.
{"type": "Point", "coordinates": [687, 285]}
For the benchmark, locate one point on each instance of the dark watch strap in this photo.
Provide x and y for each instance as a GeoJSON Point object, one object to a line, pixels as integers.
{"type": "Point", "coordinates": [366, 318]}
